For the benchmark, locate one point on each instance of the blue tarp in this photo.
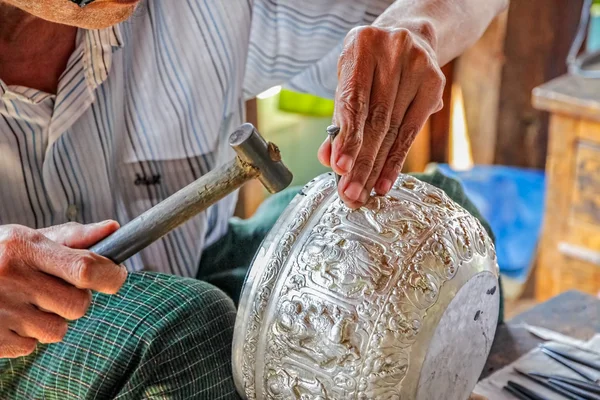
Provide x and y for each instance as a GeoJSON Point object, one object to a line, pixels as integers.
{"type": "Point", "coordinates": [512, 201]}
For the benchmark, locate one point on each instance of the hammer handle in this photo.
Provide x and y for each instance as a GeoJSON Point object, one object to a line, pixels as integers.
{"type": "Point", "coordinates": [174, 211]}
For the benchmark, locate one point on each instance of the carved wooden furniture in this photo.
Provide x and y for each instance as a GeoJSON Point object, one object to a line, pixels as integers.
{"type": "Point", "coordinates": [570, 242]}
{"type": "Point", "coordinates": [398, 299]}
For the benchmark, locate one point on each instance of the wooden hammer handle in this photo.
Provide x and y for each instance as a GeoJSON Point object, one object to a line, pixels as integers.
{"type": "Point", "coordinates": [174, 211]}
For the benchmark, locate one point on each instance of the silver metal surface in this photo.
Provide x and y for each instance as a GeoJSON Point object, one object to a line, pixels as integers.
{"type": "Point", "coordinates": [342, 304]}
{"type": "Point", "coordinates": [254, 150]}
{"type": "Point", "coordinates": [332, 132]}
{"type": "Point", "coordinates": [458, 350]}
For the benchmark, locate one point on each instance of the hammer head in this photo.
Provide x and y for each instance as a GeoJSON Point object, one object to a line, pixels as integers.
{"type": "Point", "coordinates": [253, 149]}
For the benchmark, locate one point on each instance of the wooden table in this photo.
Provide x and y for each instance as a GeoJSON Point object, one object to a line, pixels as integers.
{"type": "Point", "coordinates": [572, 313]}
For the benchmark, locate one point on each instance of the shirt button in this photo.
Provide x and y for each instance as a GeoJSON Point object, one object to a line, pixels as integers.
{"type": "Point", "coordinates": [72, 213]}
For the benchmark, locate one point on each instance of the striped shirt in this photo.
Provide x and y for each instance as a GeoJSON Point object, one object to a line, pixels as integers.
{"type": "Point", "coordinates": [145, 107]}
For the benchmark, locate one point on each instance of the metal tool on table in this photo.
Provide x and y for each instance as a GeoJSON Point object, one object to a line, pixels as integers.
{"type": "Point", "coordinates": [574, 389]}
{"type": "Point", "coordinates": [568, 363]}
{"type": "Point", "coordinates": [569, 388]}
{"type": "Point", "coordinates": [575, 358]}
{"type": "Point", "coordinates": [550, 386]}
{"type": "Point", "coordinates": [522, 392]}
{"type": "Point", "coordinates": [590, 387]}
{"type": "Point", "coordinates": [256, 158]}
{"type": "Point", "coordinates": [516, 393]}
{"type": "Point", "coordinates": [332, 132]}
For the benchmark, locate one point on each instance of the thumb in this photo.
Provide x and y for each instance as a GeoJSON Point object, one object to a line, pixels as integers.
{"type": "Point", "coordinates": [78, 236]}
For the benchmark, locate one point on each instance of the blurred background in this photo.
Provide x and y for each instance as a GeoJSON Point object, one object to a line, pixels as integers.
{"type": "Point", "coordinates": [520, 133]}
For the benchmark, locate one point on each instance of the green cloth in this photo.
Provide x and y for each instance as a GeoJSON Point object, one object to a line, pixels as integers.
{"type": "Point", "coordinates": [224, 264]}
{"type": "Point", "coordinates": [161, 337]}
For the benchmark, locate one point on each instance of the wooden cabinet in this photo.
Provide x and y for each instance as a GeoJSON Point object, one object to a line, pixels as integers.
{"type": "Point", "coordinates": [570, 242]}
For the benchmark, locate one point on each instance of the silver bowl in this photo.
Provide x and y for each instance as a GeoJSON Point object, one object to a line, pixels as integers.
{"type": "Point", "coordinates": [396, 300]}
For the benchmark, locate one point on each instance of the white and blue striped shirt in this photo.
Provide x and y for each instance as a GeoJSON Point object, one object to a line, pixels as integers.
{"type": "Point", "coordinates": [146, 107]}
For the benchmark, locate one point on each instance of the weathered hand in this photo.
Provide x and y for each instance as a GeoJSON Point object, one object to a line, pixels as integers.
{"type": "Point", "coordinates": [45, 280]}
{"type": "Point", "coordinates": [389, 84]}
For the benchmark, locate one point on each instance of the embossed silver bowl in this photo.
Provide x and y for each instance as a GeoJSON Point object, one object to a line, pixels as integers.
{"type": "Point", "coordinates": [396, 300]}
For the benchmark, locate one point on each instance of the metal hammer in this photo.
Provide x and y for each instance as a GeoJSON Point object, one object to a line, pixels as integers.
{"type": "Point", "coordinates": [255, 159]}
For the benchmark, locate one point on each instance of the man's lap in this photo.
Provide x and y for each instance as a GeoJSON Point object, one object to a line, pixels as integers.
{"type": "Point", "coordinates": [160, 337]}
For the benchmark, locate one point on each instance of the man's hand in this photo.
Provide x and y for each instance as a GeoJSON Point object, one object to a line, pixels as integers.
{"type": "Point", "coordinates": [45, 280]}
{"type": "Point", "coordinates": [390, 82]}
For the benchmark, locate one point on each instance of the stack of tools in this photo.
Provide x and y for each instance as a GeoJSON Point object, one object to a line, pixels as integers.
{"type": "Point", "coordinates": [561, 367]}
{"type": "Point", "coordinates": [585, 388]}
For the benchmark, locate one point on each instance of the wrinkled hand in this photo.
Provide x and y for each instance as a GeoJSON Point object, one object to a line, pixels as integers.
{"type": "Point", "coordinates": [45, 280]}
{"type": "Point", "coordinates": [389, 84]}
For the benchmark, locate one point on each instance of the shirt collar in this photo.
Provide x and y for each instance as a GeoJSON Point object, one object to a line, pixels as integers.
{"type": "Point", "coordinates": [92, 61]}
{"type": "Point", "coordinates": [99, 48]}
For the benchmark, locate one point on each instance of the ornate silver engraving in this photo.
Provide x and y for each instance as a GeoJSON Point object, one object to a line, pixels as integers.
{"type": "Point", "coordinates": [350, 291]}
{"type": "Point", "coordinates": [267, 282]}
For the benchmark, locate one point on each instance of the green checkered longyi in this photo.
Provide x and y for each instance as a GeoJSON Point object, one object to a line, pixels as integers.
{"type": "Point", "coordinates": [162, 337]}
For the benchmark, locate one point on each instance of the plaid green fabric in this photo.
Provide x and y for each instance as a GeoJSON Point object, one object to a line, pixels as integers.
{"type": "Point", "coordinates": [162, 337]}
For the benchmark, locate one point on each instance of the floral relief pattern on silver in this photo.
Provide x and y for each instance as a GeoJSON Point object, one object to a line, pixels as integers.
{"type": "Point", "coordinates": [268, 280]}
{"type": "Point", "coordinates": [356, 292]}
